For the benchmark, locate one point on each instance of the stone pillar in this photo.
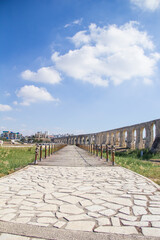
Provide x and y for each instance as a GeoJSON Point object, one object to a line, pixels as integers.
{"type": "Point", "coordinates": [107, 138]}
{"type": "Point", "coordinates": [122, 139]}
{"type": "Point", "coordinates": [111, 138]}
{"type": "Point", "coordinates": [139, 138]}
{"type": "Point", "coordinates": [117, 139]}
{"type": "Point", "coordinates": [157, 128]}
{"type": "Point", "coordinates": [129, 138]}
{"type": "Point", "coordinates": [114, 138]}
{"type": "Point", "coordinates": [149, 141]}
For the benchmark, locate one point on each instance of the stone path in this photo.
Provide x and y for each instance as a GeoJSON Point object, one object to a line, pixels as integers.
{"type": "Point", "coordinates": [90, 196]}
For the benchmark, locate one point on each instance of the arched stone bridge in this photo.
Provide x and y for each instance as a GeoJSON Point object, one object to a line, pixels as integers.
{"type": "Point", "coordinates": [136, 136]}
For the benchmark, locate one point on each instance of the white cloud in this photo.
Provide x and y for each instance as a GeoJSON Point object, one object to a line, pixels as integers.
{"type": "Point", "coordinates": [32, 94]}
{"type": "Point", "coordinates": [109, 54]}
{"type": "Point", "coordinates": [44, 75]}
{"type": "Point", "coordinates": [8, 119]}
{"type": "Point", "coordinates": [151, 5]}
{"type": "Point", "coordinates": [147, 81]}
{"type": "Point", "coordinates": [4, 108]}
{"type": "Point", "coordinates": [7, 94]}
{"type": "Point", "coordinates": [75, 22]}
{"type": "Point", "coordinates": [15, 103]}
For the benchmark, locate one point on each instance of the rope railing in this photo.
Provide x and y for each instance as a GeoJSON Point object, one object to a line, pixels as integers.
{"type": "Point", "coordinates": [100, 150]}
{"type": "Point", "coordinates": [45, 150]}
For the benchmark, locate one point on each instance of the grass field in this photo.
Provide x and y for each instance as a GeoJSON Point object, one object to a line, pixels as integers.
{"type": "Point", "coordinates": [12, 159]}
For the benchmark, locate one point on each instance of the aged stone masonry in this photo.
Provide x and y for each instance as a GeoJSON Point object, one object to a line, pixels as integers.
{"type": "Point", "coordinates": [138, 136]}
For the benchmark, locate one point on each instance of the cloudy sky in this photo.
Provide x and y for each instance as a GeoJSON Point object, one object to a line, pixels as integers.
{"type": "Point", "coordinates": [78, 66]}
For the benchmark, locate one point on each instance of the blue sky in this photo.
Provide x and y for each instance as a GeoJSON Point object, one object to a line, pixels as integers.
{"type": "Point", "coordinates": [78, 66]}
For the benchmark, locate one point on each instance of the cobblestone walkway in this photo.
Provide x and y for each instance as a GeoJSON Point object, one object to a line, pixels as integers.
{"type": "Point", "coordinates": [92, 198]}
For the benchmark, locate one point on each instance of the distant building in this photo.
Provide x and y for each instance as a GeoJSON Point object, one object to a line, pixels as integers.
{"type": "Point", "coordinates": [42, 135]}
{"type": "Point", "coordinates": [11, 135]}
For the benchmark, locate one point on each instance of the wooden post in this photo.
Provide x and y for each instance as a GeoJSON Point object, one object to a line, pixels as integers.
{"type": "Point", "coordinates": [96, 150]}
{"type": "Point", "coordinates": [113, 156]}
{"type": "Point", "coordinates": [107, 153]}
{"type": "Point", "coordinates": [53, 148]}
{"type": "Point", "coordinates": [36, 155]}
{"type": "Point", "coordinates": [45, 151]}
{"type": "Point", "coordinates": [101, 151]}
{"type": "Point", "coordinates": [40, 153]}
{"type": "Point", "coordinates": [49, 150]}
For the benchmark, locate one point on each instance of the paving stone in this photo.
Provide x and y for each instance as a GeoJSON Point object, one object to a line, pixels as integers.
{"type": "Point", "coordinates": [108, 212]}
{"type": "Point", "coordinates": [85, 203]}
{"type": "Point", "coordinates": [140, 197]}
{"type": "Point", "coordinates": [125, 210]}
{"type": "Point", "coordinates": [61, 215]}
{"type": "Point", "coordinates": [38, 224]}
{"type": "Point", "coordinates": [120, 201]}
{"type": "Point", "coordinates": [71, 209]}
{"type": "Point", "coordinates": [46, 214]}
{"type": "Point", "coordinates": [155, 198]}
{"type": "Point", "coordinates": [7, 210]}
{"type": "Point", "coordinates": [113, 206]}
{"type": "Point", "coordinates": [98, 201]}
{"type": "Point", "coordinates": [154, 210]}
{"type": "Point", "coordinates": [93, 214]}
{"type": "Point", "coordinates": [27, 203]}
{"type": "Point", "coordinates": [95, 208]}
{"type": "Point", "coordinates": [48, 220]}
{"type": "Point", "coordinates": [26, 192]}
{"type": "Point", "coordinates": [89, 196]}
{"type": "Point", "coordinates": [127, 217]}
{"type": "Point", "coordinates": [77, 217]}
{"type": "Point", "coordinates": [54, 202]}
{"type": "Point", "coordinates": [139, 210]}
{"type": "Point", "coordinates": [8, 217]}
{"type": "Point", "coordinates": [140, 203]}
{"type": "Point", "coordinates": [152, 232]}
{"type": "Point", "coordinates": [59, 224]}
{"type": "Point", "coordinates": [156, 224]}
{"type": "Point", "coordinates": [135, 223]}
{"type": "Point", "coordinates": [22, 220]}
{"type": "Point", "coordinates": [48, 207]}
{"type": "Point", "coordinates": [26, 214]}
{"type": "Point", "coordinates": [81, 226]}
{"type": "Point", "coordinates": [15, 201]}
{"type": "Point", "coordinates": [115, 221]}
{"type": "Point", "coordinates": [70, 199]}
{"type": "Point", "coordinates": [26, 208]}
{"type": "Point", "coordinates": [150, 218]}
{"type": "Point", "coordinates": [117, 230]}
{"type": "Point", "coordinates": [103, 221]}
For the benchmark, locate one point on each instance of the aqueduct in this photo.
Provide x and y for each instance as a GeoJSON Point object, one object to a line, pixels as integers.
{"type": "Point", "coordinates": [136, 136]}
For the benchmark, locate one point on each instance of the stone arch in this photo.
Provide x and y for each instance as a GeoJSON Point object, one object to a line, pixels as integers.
{"type": "Point", "coordinates": [93, 139]}
{"type": "Point", "coordinates": [112, 138]}
{"type": "Point", "coordinates": [117, 140]}
{"type": "Point", "coordinates": [75, 141]}
{"type": "Point", "coordinates": [82, 140]}
{"type": "Point", "coordinates": [87, 140]}
{"type": "Point", "coordinates": [107, 138]}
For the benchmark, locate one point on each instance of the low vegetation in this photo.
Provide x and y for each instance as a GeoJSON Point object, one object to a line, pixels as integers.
{"type": "Point", "coordinates": [143, 165]}
{"type": "Point", "coordinates": [14, 158]}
